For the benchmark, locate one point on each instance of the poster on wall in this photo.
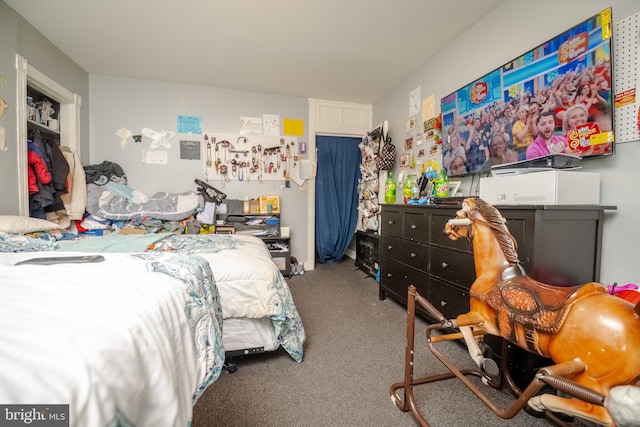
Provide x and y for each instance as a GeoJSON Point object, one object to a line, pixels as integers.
{"type": "Point", "coordinates": [414, 101]}
{"type": "Point", "coordinates": [189, 124]}
{"type": "Point", "coordinates": [190, 150]}
{"type": "Point", "coordinates": [251, 125]}
{"type": "Point", "coordinates": [271, 124]}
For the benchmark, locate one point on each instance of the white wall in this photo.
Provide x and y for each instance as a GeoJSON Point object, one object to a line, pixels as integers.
{"type": "Point", "coordinates": [507, 32]}
{"type": "Point", "coordinates": [136, 104]}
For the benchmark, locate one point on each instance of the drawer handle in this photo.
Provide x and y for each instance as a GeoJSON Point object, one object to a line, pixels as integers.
{"type": "Point", "coordinates": [391, 222]}
{"type": "Point", "coordinates": [389, 247]}
{"type": "Point", "coordinates": [443, 303]}
{"type": "Point", "coordinates": [445, 265]}
{"type": "Point", "coordinates": [413, 255]}
{"type": "Point", "coordinates": [389, 275]}
{"type": "Point", "coordinates": [413, 226]}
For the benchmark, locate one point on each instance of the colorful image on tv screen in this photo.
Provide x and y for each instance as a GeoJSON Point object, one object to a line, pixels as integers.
{"type": "Point", "coordinates": [556, 98]}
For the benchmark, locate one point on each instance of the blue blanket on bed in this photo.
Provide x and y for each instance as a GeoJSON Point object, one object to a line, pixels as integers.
{"type": "Point", "coordinates": [114, 243]}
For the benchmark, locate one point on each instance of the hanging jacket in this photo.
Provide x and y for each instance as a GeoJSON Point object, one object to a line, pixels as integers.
{"type": "Point", "coordinates": [37, 171]}
{"type": "Point", "coordinates": [47, 196]}
{"type": "Point", "coordinates": [75, 201]}
{"type": "Point", "coordinates": [59, 166]}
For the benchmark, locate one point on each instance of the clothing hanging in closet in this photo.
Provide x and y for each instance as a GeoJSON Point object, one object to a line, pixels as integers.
{"type": "Point", "coordinates": [48, 187]}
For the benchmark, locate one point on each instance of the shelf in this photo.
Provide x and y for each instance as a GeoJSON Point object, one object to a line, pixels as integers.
{"type": "Point", "coordinates": [257, 225]}
{"type": "Point", "coordinates": [264, 226]}
{"type": "Point", "coordinates": [46, 130]}
{"type": "Point", "coordinates": [38, 97]}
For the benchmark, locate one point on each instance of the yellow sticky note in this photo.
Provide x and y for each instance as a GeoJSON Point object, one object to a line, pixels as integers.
{"type": "Point", "coordinates": [293, 127]}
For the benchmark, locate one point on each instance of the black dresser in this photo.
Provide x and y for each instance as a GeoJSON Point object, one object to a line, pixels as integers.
{"type": "Point", "coordinates": [558, 245]}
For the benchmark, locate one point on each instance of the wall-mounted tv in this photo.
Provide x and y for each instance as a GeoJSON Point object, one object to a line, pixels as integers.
{"type": "Point", "coordinates": [556, 98]}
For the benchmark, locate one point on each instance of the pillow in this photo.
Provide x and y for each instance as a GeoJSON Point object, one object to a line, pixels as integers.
{"type": "Point", "coordinates": [23, 224]}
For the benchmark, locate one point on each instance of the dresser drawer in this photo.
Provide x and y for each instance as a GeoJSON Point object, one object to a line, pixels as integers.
{"type": "Point", "coordinates": [396, 278]}
{"type": "Point", "coordinates": [391, 247]}
{"type": "Point", "coordinates": [450, 300]}
{"type": "Point", "coordinates": [452, 266]}
{"type": "Point", "coordinates": [416, 227]}
{"type": "Point", "coordinates": [410, 253]}
{"type": "Point", "coordinates": [391, 224]}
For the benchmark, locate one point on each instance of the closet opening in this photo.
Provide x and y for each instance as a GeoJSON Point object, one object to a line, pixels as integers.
{"type": "Point", "coordinates": [65, 125]}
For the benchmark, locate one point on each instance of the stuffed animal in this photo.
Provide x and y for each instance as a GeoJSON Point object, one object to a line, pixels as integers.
{"type": "Point", "coordinates": [628, 292]}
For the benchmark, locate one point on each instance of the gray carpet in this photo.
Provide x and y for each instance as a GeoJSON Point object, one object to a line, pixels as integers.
{"type": "Point", "coordinates": [354, 352]}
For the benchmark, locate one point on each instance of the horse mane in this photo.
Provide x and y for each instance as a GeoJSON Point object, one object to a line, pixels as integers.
{"type": "Point", "coordinates": [496, 222]}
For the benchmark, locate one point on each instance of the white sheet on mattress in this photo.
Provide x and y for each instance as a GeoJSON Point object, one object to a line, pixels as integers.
{"type": "Point", "coordinates": [243, 333]}
{"type": "Point", "coordinates": [110, 339]}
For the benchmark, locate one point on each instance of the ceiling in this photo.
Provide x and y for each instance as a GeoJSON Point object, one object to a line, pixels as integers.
{"type": "Point", "coordinates": [345, 50]}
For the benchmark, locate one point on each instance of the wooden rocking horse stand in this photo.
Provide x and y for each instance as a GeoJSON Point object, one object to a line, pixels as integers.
{"type": "Point", "coordinates": [592, 337]}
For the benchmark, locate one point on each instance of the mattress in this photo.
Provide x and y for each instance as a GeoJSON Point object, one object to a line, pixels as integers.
{"type": "Point", "coordinates": [244, 335]}
{"type": "Point", "coordinates": [250, 284]}
{"type": "Point", "coordinates": [133, 340]}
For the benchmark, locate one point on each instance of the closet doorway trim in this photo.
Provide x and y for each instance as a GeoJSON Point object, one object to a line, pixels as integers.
{"type": "Point", "coordinates": [69, 119]}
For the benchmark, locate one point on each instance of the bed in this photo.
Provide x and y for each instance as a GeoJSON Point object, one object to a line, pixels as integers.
{"type": "Point", "coordinates": [258, 309]}
{"type": "Point", "coordinates": [259, 313]}
{"type": "Point", "coordinates": [132, 340]}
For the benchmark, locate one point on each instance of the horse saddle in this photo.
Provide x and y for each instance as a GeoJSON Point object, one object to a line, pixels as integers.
{"type": "Point", "coordinates": [520, 300]}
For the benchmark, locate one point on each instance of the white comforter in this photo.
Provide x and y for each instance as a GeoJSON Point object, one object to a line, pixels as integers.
{"type": "Point", "coordinates": [250, 284]}
{"type": "Point", "coordinates": [122, 345]}
{"type": "Point", "coordinates": [246, 276]}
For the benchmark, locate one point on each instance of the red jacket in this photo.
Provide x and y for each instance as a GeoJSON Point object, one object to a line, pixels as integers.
{"type": "Point", "coordinates": [39, 167]}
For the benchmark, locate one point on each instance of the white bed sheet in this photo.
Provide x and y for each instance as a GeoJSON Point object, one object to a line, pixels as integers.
{"type": "Point", "coordinates": [115, 341]}
{"type": "Point", "coordinates": [245, 333]}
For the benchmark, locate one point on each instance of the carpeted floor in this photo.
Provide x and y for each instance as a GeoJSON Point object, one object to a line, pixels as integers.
{"type": "Point", "coordinates": [354, 352]}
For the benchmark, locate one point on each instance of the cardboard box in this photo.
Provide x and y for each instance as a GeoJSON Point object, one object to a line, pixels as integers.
{"type": "Point", "coordinates": [265, 201]}
{"type": "Point", "coordinates": [554, 187]}
{"type": "Point", "coordinates": [225, 229]}
{"type": "Point", "coordinates": [254, 206]}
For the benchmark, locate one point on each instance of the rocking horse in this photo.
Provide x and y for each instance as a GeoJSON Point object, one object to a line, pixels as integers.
{"type": "Point", "coordinates": [592, 337]}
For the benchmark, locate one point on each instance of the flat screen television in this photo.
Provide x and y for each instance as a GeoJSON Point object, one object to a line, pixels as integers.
{"type": "Point", "coordinates": [554, 98]}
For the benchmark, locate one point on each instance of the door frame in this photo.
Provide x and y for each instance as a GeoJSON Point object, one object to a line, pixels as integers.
{"type": "Point", "coordinates": [69, 118]}
{"type": "Point", "coordinates": [337, 119]}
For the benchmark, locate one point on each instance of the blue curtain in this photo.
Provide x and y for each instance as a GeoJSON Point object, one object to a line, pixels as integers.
{"type": "Point", "coordinates": [337, 179]}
